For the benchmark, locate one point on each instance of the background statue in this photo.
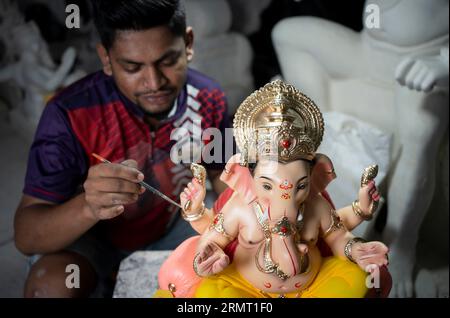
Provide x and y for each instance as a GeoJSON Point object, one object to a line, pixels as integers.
{"type": "Point", "coordinates": [32, 67]}
{"type": "Point", "coordinates": [395, 76]}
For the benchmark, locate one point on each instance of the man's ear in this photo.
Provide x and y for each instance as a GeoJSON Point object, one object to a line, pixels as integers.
{"type": "Point", "coordinates": [104, 58]}
{"type": "Point", "coordinates": [189, 40]}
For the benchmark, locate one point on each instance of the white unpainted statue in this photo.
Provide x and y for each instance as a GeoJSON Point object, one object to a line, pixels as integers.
{"type": "Point", "coordinates": [33, 69]}
{"type": "Point", "coordinates": [393, 74]}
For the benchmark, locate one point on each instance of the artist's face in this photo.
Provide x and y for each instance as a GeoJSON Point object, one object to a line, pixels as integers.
{"type": "Point", "coordinates": [150, 66]}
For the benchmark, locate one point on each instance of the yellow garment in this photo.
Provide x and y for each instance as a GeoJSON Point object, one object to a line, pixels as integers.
{"type": "Point", "coordinates": [161, 293]}
{"type": "Point", "coordinates": [337, 278]}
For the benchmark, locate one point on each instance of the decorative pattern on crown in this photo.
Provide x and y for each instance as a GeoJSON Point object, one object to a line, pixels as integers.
{"type": "Point", "coordinates": [278, 122]}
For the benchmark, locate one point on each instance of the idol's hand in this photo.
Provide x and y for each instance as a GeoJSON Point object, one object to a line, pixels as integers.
{"type": "Point", "coordinates": [370, 254]}
{"type": "Point", "coordinates": [210, 260]}
{"type": "Point", "coordinates": [192, 197]}
{"type": "Point", "coordinates": [423, 73]}
{"type": "Point", "coordinates": [368, 198]}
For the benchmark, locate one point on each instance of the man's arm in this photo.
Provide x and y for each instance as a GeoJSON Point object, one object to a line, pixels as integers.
{"type": "Point", "coordinates": [43, 227]}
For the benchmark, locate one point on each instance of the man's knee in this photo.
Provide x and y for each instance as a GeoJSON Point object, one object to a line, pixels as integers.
{"type": "Point", "coordinates": [63, 274]}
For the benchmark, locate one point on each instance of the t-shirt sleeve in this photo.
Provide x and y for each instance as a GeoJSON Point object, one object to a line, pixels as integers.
{"type": "Point", "coordinates": [57, 163]}
{"type": "Point", "coordinates": [226, 140]}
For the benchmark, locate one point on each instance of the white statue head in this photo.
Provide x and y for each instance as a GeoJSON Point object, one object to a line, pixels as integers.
{"type": "Point", "coordinates": [27, 38]}
{"type": "Point", "coordinates": [409, 22]}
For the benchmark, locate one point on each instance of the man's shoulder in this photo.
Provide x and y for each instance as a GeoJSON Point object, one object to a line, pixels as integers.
{"type": "Point", "coordinates": [92, 90]}
{"type": "Point", "coordinates": [200, 81]}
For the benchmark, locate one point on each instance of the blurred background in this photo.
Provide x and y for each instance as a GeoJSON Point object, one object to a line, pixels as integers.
{"type": "Point", "coordinates": [355, 69]}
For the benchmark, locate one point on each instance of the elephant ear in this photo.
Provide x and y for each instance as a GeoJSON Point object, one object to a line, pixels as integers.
{"type": "Point", "coordinates": [239, 178]}
{"type": "Point", "coordinates": [322, 174]}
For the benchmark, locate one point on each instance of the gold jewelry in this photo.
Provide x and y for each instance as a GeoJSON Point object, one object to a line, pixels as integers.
{"type": "Point", "coordinates": [280, 122]}
{"type": "Point", "coordinates": [270, 267]}
{"type": "Point", "coordinates": [199, 172]}
{"type": "Point", "coordinates": [172, 288]}
{"type": "Point", "coordinates": [348, 247]}
{"type": "Point", "coordinates": [187, 205]}
{"type": "Point", "coordinates": [195, 265]}
{"type": "Point", "coordinates": [369, 174]}
{"type": "Point", "coordinates": [283, 228]}
{"type": "Point", "coordinates": [357, 210]}
{"type": "Point", "coordinates": [194, 217]}
{"type": "Point", "coordinates": [217, 225]}
{"type": "Point", "coordinates": [336, 224]}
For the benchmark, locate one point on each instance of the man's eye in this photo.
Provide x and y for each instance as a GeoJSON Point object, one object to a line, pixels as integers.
{"type": "Point", "coordinates": [267, 186]}
{"type": "Point", "coordinates": [170, 61]}
{"type": "Point", "coordinates": [132, 69]}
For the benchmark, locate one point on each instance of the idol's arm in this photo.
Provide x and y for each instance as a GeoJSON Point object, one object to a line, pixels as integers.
{"type": "Point", "coordinates": [343, 243]}
{"type": "Point", "coordinates": [211, 258]}
{"type": "Point", "coordinates": [361, 209]}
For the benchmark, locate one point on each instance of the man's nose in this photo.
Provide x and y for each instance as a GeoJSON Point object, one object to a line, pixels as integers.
{"type": "Point", "coordinates": [153, 79]}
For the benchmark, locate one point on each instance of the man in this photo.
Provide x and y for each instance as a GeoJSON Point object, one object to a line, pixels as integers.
{"type": "Point", "coordinates": [77, 211]}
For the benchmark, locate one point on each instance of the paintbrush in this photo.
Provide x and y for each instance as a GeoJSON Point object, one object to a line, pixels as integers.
{"type": "Point", "coordinates": [144, 184]}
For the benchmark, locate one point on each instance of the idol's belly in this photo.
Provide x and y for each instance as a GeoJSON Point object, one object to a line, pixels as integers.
{"type": "Point", "coordinates": [245, 263]}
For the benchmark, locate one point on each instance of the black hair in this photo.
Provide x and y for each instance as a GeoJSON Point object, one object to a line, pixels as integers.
{"type": "Point", "coordinates": [111, 16]}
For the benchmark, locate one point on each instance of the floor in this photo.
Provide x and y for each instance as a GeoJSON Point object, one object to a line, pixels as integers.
{"type": "Point", "coordinates": [433, 263]}
{"type": "Point", "coordinates": [13, 156]}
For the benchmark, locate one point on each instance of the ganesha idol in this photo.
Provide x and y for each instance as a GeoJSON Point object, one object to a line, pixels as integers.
{"type": "Point", "coordinates": [274, 232]}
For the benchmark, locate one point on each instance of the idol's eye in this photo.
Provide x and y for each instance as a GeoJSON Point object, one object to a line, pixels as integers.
{"type": "Point", "coordinates": [267, 186]}
{"type": "Point", "coordinates": [302, 186]}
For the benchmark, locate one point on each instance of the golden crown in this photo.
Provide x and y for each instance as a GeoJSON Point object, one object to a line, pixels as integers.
{"type": "Point", "coordinates": [279, 122]}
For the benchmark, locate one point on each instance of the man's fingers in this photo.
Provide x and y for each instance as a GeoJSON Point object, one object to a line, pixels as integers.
{"type": "Point", "coordinates": [130, 163]}
{"type": "Point", "coordinates": [111, 199]}
{"type": "Point", "coordinates": [112, 185]}
{"type": "Point", "coordinates": [114, 170]}
{"type": "Point", "coordinates": [110, 212]}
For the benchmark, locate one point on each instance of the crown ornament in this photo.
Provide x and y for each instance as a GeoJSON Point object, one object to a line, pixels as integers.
{"type": "Point", "coordinates": [278, 122]}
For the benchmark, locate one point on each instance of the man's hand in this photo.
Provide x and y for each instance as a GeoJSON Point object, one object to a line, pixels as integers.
{"type": "Point", "coordinates": [110, 186]}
